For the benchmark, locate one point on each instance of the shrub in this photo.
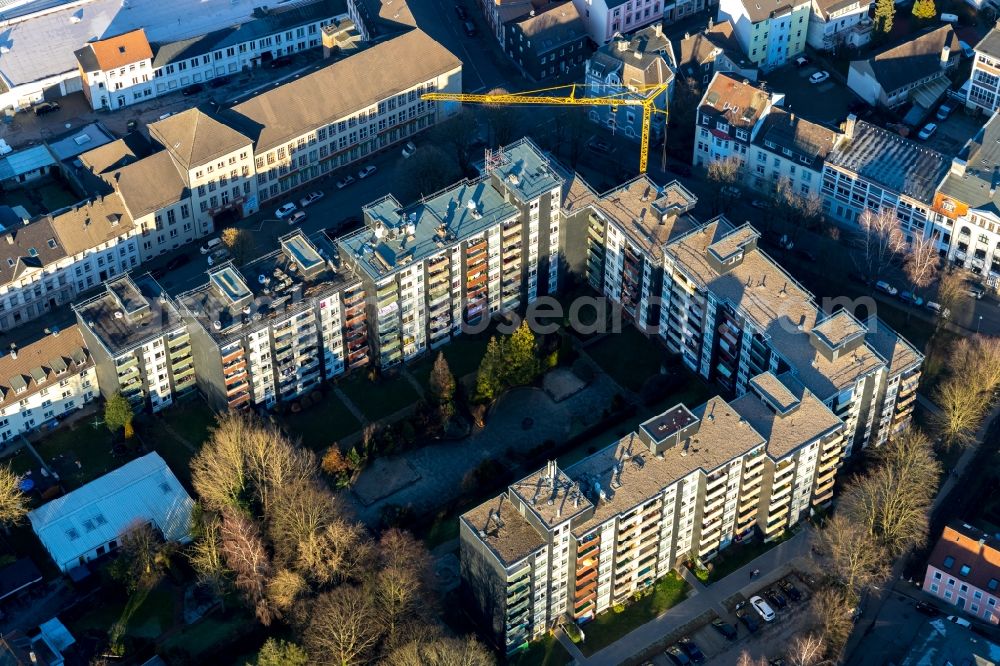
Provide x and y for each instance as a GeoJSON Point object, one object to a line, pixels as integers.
{"type": "Point", "coordinates": [618, 608]}
{"type": "Point", "coordinates": [296, 407]}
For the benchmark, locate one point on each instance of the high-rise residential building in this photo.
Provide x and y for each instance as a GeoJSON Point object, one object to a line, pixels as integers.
{"type": "Point", "coordinates": [44, 380]}
{"type": "Point", "coordinates": [139, 342]}
{"type": "Point", "coordinates": [771, 33]}
{"type": "Point", "coordinates": [275, 328]}
{"type": "Point", "coordinates": [568, 544]}
{"type": "Point", "coordinates": [459, 256]}
{"type": "Point", "coordinates": [732, 313]}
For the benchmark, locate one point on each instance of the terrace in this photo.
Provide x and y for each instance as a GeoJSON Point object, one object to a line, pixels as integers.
{"type": "Point", "coordinates": [129, 313]}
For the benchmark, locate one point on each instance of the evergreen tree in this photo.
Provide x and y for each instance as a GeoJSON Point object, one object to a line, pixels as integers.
{"type": "Point", "coordinates": [276, 652]}
{"type": "Point", "coordinates": [442, 382]}
{"type": "Point", "coordinates": [924, 9]}
{"type": "Point", "coordinates": [118, 414]}
{"type": "Point", "coordinates": [489, 378]}
{"type": "Point", "coordinates": [885, 11]}
{"type": "Point", "coordinates": [522, 363]}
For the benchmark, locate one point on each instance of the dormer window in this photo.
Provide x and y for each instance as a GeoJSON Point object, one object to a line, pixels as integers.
{"type": "Point", "coordinates": [742, 134]}
{"type": "Point", "coordinates": [769, 144]}
{"type": "Point", "coordinates": [52, 243]}
{"type": "Point", "coordinates": [722, 127]}
{"type": "Point", "coordinates": [32, 252]}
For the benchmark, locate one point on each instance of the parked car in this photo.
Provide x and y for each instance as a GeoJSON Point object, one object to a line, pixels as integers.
{"type": "Point", "coordinates": [46, 107]}
{"type": "Point", "coordinates": [886, 288]}
{"type": "Point", "coordinates": [211, 244]}
{"type": "Point", "coordinates": [285, 210]}
{"type": "Point", "coordinates": [949, 18]}
{"type": "Point", "coordinates": [192, 89]}
{"type": "Point", "coordinates": [776, 599]}
{"type": "Point", "coordinates": [345, 181]}
{"type": "Point", "coordinates": [860, 278]}
{"type": "Point", "coordinates": [177, 262]}
{"type": "Point", "coordinates": [692, 650]}
{"type": "Point", "coordinates": [366, 171]}
{"type": "Point", "coordinates": [726, 629]}
{"type": "Point", "coordinates": [219, 81]}
{"type": "Point", "coordinates": [762, 608]}
{"type": "Point", "coordinates": [470, 28]}
{"type": "Point", "coordinates": [975, 290]}
{"type": "Point", "coordinates": [677, 657]}
{"type": "Point", "coordinates": [944, 111]}
{"type": "Point", "coordinates": [281, 61]}
{"type": "Point", "coordinates": [217, 256]}
{"type": "Point", "coordinates": [910, 298]}
{"type": "Point", "coordinates": [790, 591]}
{"type": "Point", "coordinates": [785, 243]}
{"type": "Point", "coordinates": [132, 125]}
{"type": "Point", "coordinates": [927, 131]}
{"type": "Point", "coordinates": [802, 61]}
{"type": "Point", "coordinates": [819, 77]}
{"type": "Point", "coordinates": [960, 621]}
{"type": "Point", "coordinates": [461, 13]}
{"type": "Point", "coordinates": [944, 313]}
{"type": "Point", "coordinates": [296, 217]}
{"type": "Point", "coordinates": [748, 620]}
{"type": "Point", "coordinates": [310, 199]}
{"type": "Point", "coordinates": [967, 50]}
{"type": "Point", "coordinates": [926, 609]}
{"type": "Point", "coordinates": [409, 149]}
{"type": "Point", "coordinates": [599, 146]}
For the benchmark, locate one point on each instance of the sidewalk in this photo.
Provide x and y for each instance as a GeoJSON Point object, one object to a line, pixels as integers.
{"type": "Point", "coordinates": [773, 565]}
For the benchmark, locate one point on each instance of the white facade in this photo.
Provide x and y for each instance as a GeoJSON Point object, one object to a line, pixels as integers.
{"type": "Point", "coordinates": [770, 38]}
{"type": "Point", "coordinates": [604, 19]}
{"type": "Point", "coordinates": [984, 89]}
{"type": "Point", "coordinates": [835, 25]}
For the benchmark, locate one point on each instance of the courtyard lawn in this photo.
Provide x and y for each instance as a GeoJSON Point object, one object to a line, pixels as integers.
{"type": "Point", "coordinates": [544, 652]}
{"type": "Point", "coordinates": [210, 633]}
{"type": "Point", "coordinates": [737, 556]}
{"type": "Point", "coordinates": [81, 453]}
{"type": "Point", "coordinates": [628, 357]}
{"type": "Point", "coordinates": [609, 626]}
{"type": "Point", "coordinates": [191, 422]}
{"type": "Point", "coordinates": [322, 424]}
{"type": "Point", "coordinates": [20, 463]}
{"type": "Point", "coordinates": [379, 399]}
{"type": "Point", "coordinates": [464, 354]}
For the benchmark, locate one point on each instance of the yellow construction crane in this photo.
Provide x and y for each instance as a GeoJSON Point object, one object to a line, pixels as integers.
{"type": "Point", "coordinates": [550, 97]}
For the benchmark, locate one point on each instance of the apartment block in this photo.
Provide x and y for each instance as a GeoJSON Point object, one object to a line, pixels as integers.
{"type": "Point", "coordinates": [299, 136]}
{"type": "Point", "coordinates": [964, 570]}
{"type": "Point", "coordinates": [965, 208]}
{"type": "Point", "coordinates": [834, 24]}
{"type": "Point", "coordinates": [728, 114]}
{"type": "Point", "coordinates": [788, 148]}
{"type": "Point", "coordinates": [715, 49]}
{"type": "Point", "coordinates": [984, 86]}
{"type": "Point", "coordinates": [43, 381]}
{"type": "Point", "coordinates": [622, 68]}
{"type": "Point", "coordinates": [377, 18]}
{"type": "Point", "coordinates": [277, 327]}
{"type": "Point", "coordinates": [139, 342]}
{"type": "Point", "coordinates": [771, 33]}
{"type": "Point", "coordinates": [566, 545]}
{"type": "Point", "coordinates": [732, 313]}
{"type": "Point", "coordinates": [873, 168]}
{"type": "Point", "coordinates": [547, 43]}
{"type": "Point", "coordinates": [47, 262]}
{"type": "Point", "coordinates": [626, 229]}
{"type": "Point", "coordinates": [125, 69]}
{"type": "Point", "coordinates": [459, 256]}
{"type": "Point", "coordinates": [606, 18]}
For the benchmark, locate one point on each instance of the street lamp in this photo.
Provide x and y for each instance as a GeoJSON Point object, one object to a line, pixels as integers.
{"type": "Point", "coordinates": [979, 323]}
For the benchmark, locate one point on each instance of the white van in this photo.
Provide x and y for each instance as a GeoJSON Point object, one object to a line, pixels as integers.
{"type": "Point", "coordinates": [211, 244]}
{"type": "Point", "coordinates": [949, 18]}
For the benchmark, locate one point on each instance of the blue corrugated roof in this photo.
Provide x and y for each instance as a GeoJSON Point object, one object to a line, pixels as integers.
{"type": "Point", "coordinates": [25, 161]}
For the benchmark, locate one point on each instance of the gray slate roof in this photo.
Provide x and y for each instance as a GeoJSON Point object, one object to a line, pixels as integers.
{"type": "Point", "coordinates": [912, 60]}
{"type": "Point", "coordinates": [889, 160]}
{"type": "Point", "coordinates": [982, 171]}
{"type": "Point", "coordinates": [990, 44]}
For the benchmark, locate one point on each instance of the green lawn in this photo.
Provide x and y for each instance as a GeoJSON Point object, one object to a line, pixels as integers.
{"type": "Point", "coordinates": [610, 626]}
{"type": "Point", "coordinates": [737, 556]}
{"type": "Point", "coordinates": [379, 399]}
{"type": "Point", "coordinates": [210, 633]}
{"type": "Point", "coordinates": [321, 425]}
{"type": "Point", "coordinates": [21, 462]}
{"type": "Point", "coordinates": [628, 357]}
{"type": "Point", "coordinates": [80, 453]}
{"type": "Point", "coordinates": [545, 652]}
{"type": "Point", "coordinates": [191, 421]}
{"type": "Point", "coordinates": [155, 615]}
{"type": "Point", "coordinates": [464, 354]}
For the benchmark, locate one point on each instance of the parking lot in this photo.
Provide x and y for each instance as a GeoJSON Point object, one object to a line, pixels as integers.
{"type": "Point", "coordinates": [827, 102]}
{"type": "Point", "coordinates": [769, 639]}
{"type": "Point", "coordinates": [954, 132]}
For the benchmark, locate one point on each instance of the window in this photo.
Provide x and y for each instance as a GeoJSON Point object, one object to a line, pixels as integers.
{"type": "Point", "coordinates": [937, 575]}
{"type": "Point", "coordinates": [965, 570]}
{"type": "Point", "coordinates": [992, 585]}
{"type": "Point", "coordinates": [949, 562]}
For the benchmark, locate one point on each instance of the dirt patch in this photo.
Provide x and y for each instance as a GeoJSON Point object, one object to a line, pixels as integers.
{"type": "Point", "coordinates": [561, 383]}
{"type": "Point", "coordinates": [383, 478]}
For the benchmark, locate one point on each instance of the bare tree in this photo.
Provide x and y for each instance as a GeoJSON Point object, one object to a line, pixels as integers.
{"type": "Point", "coordinates": [285, 588]}
{"type": "Point", "coordinates": [882, 241]}
{"type": "Point", "coordinates": [961, 410]}
{"type": "Point", "coordinates": [806, 650]}
{"type": "Point", "coordinates": [978, 359]}
{"type": "Point", "coordinates": [502, 120]}
{"type": "Point", "coordinates": [922, 262]}
{"type": "Point", "coordinates": [206, 557]}
{"type": "Point", "coordinates": [247, 557]}
{"type": "Point", "coordinates": [746, 660]}
{"type": "Point", "coordinates": [855, 559]}
{"type": "Point", "coordinates": [141, 557]}
{"type": "Point", "coordinates": [13, 502]}
{"type": "Point", "coordinates": [459, 132]}
{"type": "Point", "coordinates": [345, 627]}
{"type": "Point", "coordinates": [399, 587]}
{"type": "Point", "coordinates": [952, 291]}
{"type": "Point", "coordinates": [725, 174]}
{"type": "Point", "coordinates": [831, 609]}
{"type": "Point", "coordinates": [436, 650]}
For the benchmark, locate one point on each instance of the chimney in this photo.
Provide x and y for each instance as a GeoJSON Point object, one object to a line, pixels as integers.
{"type": "Point", "coordinates": [13, 350]}
{"type": "Point", "coordinates": [622, 45]}
{"type": "Point", "coordinates": [957, 166]}
{"type": "Point", "coordinates": [10, 239]}
{"type": "Point", "coordinates": [658, 29]}
{"type": "Point", "coordinates": [982, 543]}
{"type": "Point", "coordinates": [849, 126]}
{"type": "Point", "coordinates": [945, 53]}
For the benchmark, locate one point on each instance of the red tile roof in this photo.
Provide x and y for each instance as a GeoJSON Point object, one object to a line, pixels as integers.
{"type": "Point", "coordinates": [968, 546]}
